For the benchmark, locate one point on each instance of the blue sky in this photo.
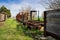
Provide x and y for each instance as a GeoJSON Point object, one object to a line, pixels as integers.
{"type": "Point", "coordinates": [16, 5]}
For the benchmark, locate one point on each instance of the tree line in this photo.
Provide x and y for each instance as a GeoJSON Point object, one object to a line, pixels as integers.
{"type": "Point", "coordinates": [4, 10]}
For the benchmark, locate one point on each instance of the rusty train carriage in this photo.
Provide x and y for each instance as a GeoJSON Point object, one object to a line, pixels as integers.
{"type": "Point", "coordinates": [24, 18]}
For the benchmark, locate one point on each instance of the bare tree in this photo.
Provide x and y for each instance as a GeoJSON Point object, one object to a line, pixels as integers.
{"type": "Point", "coordinates": [50, 4]}
{"type": "Point", "coordinates": [26, 11]}
{"type": "Point", "coordinates": [54, 4]}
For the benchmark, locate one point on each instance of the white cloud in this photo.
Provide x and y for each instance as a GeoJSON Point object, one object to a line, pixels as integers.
{"type": "Point", "coordinates": [15, 8]}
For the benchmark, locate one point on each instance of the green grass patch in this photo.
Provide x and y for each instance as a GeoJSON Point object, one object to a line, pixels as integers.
{"type": "Point", "coordinates": [10, 31]}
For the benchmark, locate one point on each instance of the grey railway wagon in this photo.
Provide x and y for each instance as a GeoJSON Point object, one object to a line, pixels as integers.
{"type": "Point", "coordinates": [52, 23]}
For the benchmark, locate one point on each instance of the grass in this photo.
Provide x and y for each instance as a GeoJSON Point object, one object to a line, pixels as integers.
{"type": "Point", "coordinates": [10, 31]}
{"type": "Point", "coordinates": [31, 33]}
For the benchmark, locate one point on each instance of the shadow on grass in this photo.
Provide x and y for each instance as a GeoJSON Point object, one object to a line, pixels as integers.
{"type": "Point", "coordinates": [33, 33]}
